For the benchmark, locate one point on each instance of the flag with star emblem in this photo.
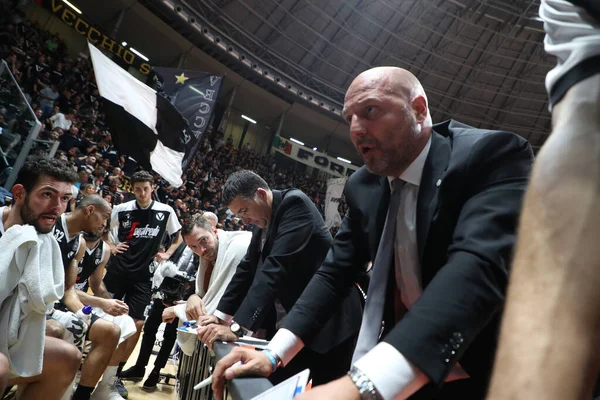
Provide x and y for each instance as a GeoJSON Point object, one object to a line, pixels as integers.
{"type": "Point", "coordinates": [194, 94]}
{"type": "Point", "coordinates": [144, 124]}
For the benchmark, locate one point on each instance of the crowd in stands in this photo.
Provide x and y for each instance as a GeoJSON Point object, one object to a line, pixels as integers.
{"type": "Point", "coordinates": [62, 92]}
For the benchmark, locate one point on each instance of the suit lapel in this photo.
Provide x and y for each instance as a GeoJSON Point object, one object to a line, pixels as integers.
{"type": "Point", "coordinates": [254, 247]}
{"type": "Point", "coordinates": [433, 171]}
{"type": "Point", "coordinates": [277, 199]}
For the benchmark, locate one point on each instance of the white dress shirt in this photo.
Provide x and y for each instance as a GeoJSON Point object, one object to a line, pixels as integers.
{"type": "Point", "coordinates": [392, 374]}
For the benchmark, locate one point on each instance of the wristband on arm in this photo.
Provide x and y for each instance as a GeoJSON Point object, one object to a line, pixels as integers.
{"type": "Point", "coordinates": [274, 358]}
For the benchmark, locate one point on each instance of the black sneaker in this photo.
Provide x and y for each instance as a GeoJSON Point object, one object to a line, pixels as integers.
{"type": "Point", "coordinates": [152, 380]}
{"type": "Point", "coordinates": [134, 373]}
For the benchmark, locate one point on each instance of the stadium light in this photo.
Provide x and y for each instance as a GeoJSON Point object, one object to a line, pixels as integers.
{"type": "Point", "coordinates": [297, 141]}
{"type": "Point", "coordinates": [77, 10]}
{"type": "Point", "coordinates": [248, 119]}
{"type": "Point", "coordinates": [124, 44]}
{"type": "Point", "coordinates": [143, 57]}
{"type": "Point", "coordinates": [344, 160]}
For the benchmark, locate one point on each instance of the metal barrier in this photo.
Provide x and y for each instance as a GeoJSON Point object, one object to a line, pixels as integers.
{"type": "Point", "coordinates": [19, 128]}
{"type": "Point", "coordinates": [194, 369]}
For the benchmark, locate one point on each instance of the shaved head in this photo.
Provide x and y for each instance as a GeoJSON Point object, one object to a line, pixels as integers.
{"type": "Point", "coordinates": [94, 200]}
{"type": "Point", "coordinates": [93, 212]}
{"type": "Point", "coordinates": [390, 80]}
{"type": "Point", "coordinates": [389, 119]}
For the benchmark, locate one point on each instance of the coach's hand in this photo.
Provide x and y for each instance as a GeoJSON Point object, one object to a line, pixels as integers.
{"type": "Point", "coordinates": [114, 307]}
{"type": "Point", "coordinates": [211, 333]}
{"type": "Point", "coordinates": [254, 363]}
{"type": "Point", "coordinates": [195, 308]}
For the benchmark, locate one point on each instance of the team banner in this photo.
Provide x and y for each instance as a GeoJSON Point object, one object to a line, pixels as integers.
{"type": "Point", "coordinates": [335, 189]}
{"type": "Point", "coordinates": [94, 34]}
{"type": "Point", "coordinates": [194, 94]}
{"type": "Point", "coordinates": [312, 158]}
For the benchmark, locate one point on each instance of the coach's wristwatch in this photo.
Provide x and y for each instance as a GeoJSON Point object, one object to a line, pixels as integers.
{"type": "Point", "coordinates": [367, 389]}
{"type": "Point", "coordinates": [237, 329]}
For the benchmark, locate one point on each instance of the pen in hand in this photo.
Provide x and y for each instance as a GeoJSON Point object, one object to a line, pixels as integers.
{"type": "Point", "coordinates": [208, 381]}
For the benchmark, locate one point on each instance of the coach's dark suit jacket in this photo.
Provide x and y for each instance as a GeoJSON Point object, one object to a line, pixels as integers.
{"type": "Point", "coordinates": [296, 244]}
{"type": "Point", "coordinates": [467, 209]}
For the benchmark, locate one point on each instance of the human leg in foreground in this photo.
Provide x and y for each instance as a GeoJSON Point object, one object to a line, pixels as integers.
{"type": "Point", "coordinates": [104, 336]}
{"type": "Point", "coordinates": [551, 329]}
{"type": "Point", "coordinates": [61, 360]}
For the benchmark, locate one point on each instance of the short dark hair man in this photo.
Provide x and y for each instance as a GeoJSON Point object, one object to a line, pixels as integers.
{"type": "Point", "coordinates": [289, 242]}
{"type": "Point", "coordinates": [40, 195]}
{"type": "Point", "coordinates": [90, 216]}
{"type": "Point", "coordinates": [220, 253]}
{"type": "Point", "coordinates": [140, 224]}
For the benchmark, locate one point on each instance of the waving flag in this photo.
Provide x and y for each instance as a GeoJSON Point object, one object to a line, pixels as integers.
{"type": "Point", "coordinates": [194, 94]}
{"type": "Point", "coordinates": [144, 124]}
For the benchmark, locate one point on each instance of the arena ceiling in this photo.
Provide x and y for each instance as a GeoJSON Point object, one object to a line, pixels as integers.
{"type": "Point", "coordinates": [481, 62]}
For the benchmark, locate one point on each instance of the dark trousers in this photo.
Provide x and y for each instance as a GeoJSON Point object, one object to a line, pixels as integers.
{"type": "Point", "coordinates": [150, 328]}
{"type": "Point", "coordinates": [323, 367]}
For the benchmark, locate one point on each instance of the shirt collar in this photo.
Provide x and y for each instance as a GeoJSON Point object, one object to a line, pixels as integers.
{"type": "Point", "coordinates": [413, 173]}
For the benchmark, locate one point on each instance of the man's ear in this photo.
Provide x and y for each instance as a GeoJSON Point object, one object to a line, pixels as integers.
{"type": "Point", "coordinates": [19, 193]}
{"type": "Point", "coordinates": [90, 209]}
{"type": "Point", "coordinates": [419, 105]}
{"type": "Point", "coordinates": [261, 193]}
{"type": "Point", "coordinates": [215, 231]}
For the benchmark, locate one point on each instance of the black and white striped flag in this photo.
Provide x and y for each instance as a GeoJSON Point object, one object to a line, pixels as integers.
{"type": "Point", "coordinates": [144, 125]}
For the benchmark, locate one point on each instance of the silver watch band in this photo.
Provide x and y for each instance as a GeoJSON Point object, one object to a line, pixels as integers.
{"type": "Point", "coordinates": [365, 386]}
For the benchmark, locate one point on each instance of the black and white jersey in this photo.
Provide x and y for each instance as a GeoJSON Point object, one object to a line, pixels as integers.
{"type": "Point", "coordinates": [143, 230]}
{"type": "Point", "coordinates": [68, 245]}
{"type": "Point", "coordinates": [88, 264]}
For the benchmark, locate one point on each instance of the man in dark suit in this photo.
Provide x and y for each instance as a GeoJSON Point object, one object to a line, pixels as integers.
{"type": "Point", "coordinates": [289, 243]}
{"type": "Point", "coordinates": [448, 230]}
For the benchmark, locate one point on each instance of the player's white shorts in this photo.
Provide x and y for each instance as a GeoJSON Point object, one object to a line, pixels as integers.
{"type": "Point", "coordinates": [573, 37]}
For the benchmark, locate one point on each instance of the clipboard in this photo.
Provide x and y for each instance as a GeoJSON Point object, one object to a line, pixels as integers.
{"type": "Point", "coordinates": [287, 389]}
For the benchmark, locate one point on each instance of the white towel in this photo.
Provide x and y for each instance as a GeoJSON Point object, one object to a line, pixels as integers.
{"type": "Point", "coordinates": [32, 278]}
{"type": "Point", "coordinates": [232, 248]}
{"type": "Point", "coordinates": [163, 269]}
{"type": "Point", "coordinates": [125, 322]}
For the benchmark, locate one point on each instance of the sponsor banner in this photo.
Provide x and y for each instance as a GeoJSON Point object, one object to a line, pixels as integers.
{"type": "Point", "coordinates": [94, 34]}
{"type": "Point", "coordinates": [335, 190]}
{"type": "Point", "coordinates": [312, 158]}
